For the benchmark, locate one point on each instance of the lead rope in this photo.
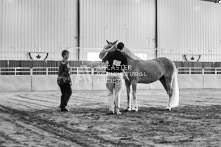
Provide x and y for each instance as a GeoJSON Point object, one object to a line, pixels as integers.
{"type": "Point", "coordinates": [107, 51]}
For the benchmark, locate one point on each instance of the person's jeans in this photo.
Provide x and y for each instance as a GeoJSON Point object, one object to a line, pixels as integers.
{"type": "Point", "coordinates": [114, 84]}
{"type": "Point", "coordinates": [66, 92]}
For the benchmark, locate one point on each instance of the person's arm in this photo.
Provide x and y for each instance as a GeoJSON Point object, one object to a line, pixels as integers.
{"type": "Point", "coordinates": [125, 61]}
{"type": "Point", "coordinates": [125, 68]}
{"type": "Point", "coordinates": [108, 55]}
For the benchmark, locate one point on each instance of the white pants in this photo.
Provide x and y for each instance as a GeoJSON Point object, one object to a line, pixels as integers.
{"type": "Point", "coordinates": [114, 84]}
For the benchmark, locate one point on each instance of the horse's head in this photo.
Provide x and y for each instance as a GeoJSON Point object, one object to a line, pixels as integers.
{"type": "Point", "coordinates": [110, 47]}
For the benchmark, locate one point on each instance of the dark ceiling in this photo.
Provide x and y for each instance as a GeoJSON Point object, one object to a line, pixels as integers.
{"type": "Point", "coordinates": [214, 1]}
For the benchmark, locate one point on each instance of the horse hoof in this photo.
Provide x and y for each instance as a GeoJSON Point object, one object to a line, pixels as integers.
{"type": "Point", "coordinates": [135, 109]}
{"type": "Point", "coordinates": [127, 110]}
{"type": "Point", "coordinates": [168, 108]}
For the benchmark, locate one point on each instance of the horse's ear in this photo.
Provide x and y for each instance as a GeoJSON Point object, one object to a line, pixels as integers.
{"type": "Point", "coordinates": [108, 42]}
{"type": "Point", "coordinates": [115, 42]}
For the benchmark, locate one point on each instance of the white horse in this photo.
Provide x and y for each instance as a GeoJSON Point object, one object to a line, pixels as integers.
{"type": "Point", "coordinates": [141, 71]}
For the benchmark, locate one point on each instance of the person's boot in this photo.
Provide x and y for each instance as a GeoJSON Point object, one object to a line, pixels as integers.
{"type": "Point", "coordinates": [117, 111]}
{"type": "Point", "coordinates": [110, 112]}
{"type": "Point", "coordinates": [64, 109]}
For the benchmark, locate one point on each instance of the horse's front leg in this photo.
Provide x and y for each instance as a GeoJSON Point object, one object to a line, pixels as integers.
{"type": "Point", "coordinates": [134, 89]}
{"type": "Point", "coordinates": [128, 84]}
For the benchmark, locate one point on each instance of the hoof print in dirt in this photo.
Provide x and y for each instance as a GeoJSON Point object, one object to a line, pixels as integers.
{"type": "Point", "coordinates": [89, 127]}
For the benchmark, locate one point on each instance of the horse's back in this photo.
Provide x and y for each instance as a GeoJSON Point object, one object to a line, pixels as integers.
{"type": "Point", "coordinates": [151, 70]}
{"type": "Point", "coordinates": [159, 66]}
{"type": "Point", "coordinates": [166, 64]}
{"type": "Point", "coordinates": [159, 62]}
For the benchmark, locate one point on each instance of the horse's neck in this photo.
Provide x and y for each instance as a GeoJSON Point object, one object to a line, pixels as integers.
{"type": "Point", "coordinates": [130, 54]}
{"type": "Point", "coordinates": [130, 61]}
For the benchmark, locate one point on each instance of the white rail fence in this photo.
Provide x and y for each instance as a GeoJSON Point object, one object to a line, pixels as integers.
{"type": "Point", "coordinates": [87, 78]}
{"type": "Point", "coordinates": [94, 70]}
{"type": "Point", "coordinates": [199, 70]}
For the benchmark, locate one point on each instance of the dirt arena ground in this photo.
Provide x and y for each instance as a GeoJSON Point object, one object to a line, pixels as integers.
{"type": "Point", "coordinates": [33, 119]}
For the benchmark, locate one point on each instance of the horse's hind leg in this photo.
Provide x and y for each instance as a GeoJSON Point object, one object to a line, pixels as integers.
{"type": "Point", "coordinates": [163, 81]}
{"type": "Point", "coordinates": [128, 84]}
{"type": "Point", "coordinates": [169, 90]}
{"type": "Point", "coordinates": [167, 84]}
{"type": "Point", "coordinates": [134, 89]}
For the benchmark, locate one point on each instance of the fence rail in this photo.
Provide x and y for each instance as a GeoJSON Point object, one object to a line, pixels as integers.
{"type": "Point", "coordinates": [199, 70]}
{"type": "Point", "coordinates": [15, 71]}
{"type": "Point", "coordinates": [93, 70]}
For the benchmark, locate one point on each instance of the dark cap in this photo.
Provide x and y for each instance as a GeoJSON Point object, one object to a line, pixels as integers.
{"type": "Point", "coordinates": [120, 46]}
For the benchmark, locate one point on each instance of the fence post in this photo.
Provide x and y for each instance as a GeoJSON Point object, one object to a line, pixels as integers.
{"type": "Point", "coordinates": [31, 74]}
{"type": "Point", "coordinates": [46, 70]}
{"type": "Point", "coordinates": [92, 78]}
{"type": "Point", "coordinates": [31, 71]}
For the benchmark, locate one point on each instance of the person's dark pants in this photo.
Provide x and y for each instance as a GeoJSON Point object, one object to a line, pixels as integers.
{"type": "Point", "coordinates": [66, 92]}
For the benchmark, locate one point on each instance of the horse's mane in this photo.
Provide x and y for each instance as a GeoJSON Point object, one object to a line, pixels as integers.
{"type": "Point", "coordinates": [129, 54]}
{"type": "Point", "coordinates": [126, 52]}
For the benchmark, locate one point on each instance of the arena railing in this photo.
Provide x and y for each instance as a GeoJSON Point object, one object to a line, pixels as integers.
{"type": "Point", "coordinates": [99, 70]}
{"type": "Point", "coordinates": [54, 70]}
{"type": "Point", "coordinates": [190, 70]}
{"type": "Point", "coordinates": [199, 70]}
{"type": "Point", "coordinates": [15, 71]}
{"type": "Point", "coordinates": [93, 70]}
{"type": "Point", "coordinates": [44, 70]}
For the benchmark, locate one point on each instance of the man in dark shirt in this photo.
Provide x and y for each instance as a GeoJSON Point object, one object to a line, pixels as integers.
{"type": "Point", "coordinates": [116, 64]}
{"type": "Point", "coordinates": [64, 81]}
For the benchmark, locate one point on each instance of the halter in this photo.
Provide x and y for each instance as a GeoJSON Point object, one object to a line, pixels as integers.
{"type": "Point", "coordinates": [107, 50]}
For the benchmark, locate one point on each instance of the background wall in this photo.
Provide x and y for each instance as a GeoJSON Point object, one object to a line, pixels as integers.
{"type": "Point", "coordinates": [37, 26]}
{"type": "Point", "coordinates": [189, 27]}
{"type": "Point", "coordinates": [129, 21]}
{"type": "Point", "coordinates": [1, 26]}
{"type": "Point", "coordinates": [183, 27]}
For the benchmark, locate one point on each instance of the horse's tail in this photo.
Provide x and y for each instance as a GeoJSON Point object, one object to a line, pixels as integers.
{"type": "Point", "coordinates": [174, 99]}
